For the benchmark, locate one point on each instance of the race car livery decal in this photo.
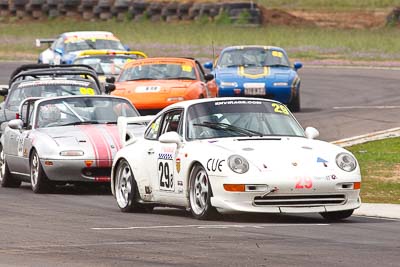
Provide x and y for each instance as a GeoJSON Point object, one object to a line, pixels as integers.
{"type": "Point", "coordinates": [253, 72]}
{"type": "Point", "coordinates": [321, 160]}
{"type": "Point", "coordinates": [114, 134]}
{"type": "Point", "coordinates": [20, 145]}
{"type": "Point", "coordinates": [187, 68]}
{"type": "Point", "coordinates": [238, 102]}
{"type": "Point", "coordinates": [54, 82]}
{"type": "Point", "coordinates": [165, 172]}
{"type": "Point", "coordinates": [215, 165]}
{"type": "Point", "coordinates": [86, 91]}
{"type": "Point", "coordinates": [277, 53]}
{"type": "Point", "coordinates": [178, 164]}
{"type": "Point", "coordinates": [101, 148]}
{"type": "Point", "coordinates": [278, 108]}
{"type": "Point", "coordinates": [303, 183]}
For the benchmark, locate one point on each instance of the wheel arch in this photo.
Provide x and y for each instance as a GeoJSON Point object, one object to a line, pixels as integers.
{"type": "Point", "coordinates": [192, 165]}
{"type": "Point", "coordinates": [114, 171]}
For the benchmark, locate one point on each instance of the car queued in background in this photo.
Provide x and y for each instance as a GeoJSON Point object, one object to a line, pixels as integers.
{"type": "Point", "coordinates": [59, 140]}
{"type": "Point", "coordinates": [151, 84]}
{"type": "Point", "coordinates": [234, 154]}
{"type": "Point", "coordinates": [107, 63]}
{"type": "Point", "coordinates": [41, 80]}
{"type": "Point", "coordinates": [64, 48]}
{"type": "Point", "coordinates": [257, 71]}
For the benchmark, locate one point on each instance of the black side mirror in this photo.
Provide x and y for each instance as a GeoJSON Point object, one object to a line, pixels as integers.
{"type": "Point", "coordinates": [3, 91]}
{"type": "Point", "coordinates": [208, 77]}
{"type": "Point", "coordinates": [110, 79]}
{"type": "Point", "coordinates": [109, 87]}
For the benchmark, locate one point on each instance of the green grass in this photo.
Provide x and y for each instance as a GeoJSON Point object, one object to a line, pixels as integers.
{"type": "Point", "coordinates": [380, 168]}
{"type": "Point", "coordinates": [330, 4]}
{"type": "Point", "coordinates": [195, 39]}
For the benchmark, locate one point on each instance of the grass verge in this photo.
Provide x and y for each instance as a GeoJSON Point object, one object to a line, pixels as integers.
{"type": "Point", "coordinates": [380, 169]}
{"type": "Point", "coordinates": [196, 39]}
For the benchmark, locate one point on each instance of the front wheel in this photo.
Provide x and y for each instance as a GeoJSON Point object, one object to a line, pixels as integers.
{"type": "Point", "coordinates": [39, 182]}
{"type": "Point", "coordinates": [200, 194]}
{"type": "Point", "coordinates": [337, 215]}
{"type": "Point", "coordinates": [6, 179]}
{"type": "Point", "coordinates": [126, 191]}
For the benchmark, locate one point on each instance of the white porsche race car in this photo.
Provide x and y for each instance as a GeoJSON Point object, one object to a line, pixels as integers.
{"type": "Point", "coordinates": [235, 154]}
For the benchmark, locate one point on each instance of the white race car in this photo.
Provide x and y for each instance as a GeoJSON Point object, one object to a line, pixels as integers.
{"type": "Point", "coordinates": [235, 154]}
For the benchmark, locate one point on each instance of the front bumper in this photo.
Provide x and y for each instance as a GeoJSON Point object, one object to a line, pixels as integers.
{"type": "Point", "coordinates": [282, 94]}
{"type": "Point", "coordinates": [75, 170]}
{"type": "Point", "coordinates": [323, 197]}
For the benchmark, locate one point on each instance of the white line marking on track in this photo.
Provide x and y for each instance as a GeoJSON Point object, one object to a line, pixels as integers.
{"type": "Point", "coordinates": [211, 226]}
{"type": "Point", "coordinates": [367, 107]}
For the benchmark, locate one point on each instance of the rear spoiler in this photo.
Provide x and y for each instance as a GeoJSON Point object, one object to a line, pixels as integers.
{"type": "Point", "coordinates": [48, 41]}
{"type": "Point", "coordinates": [111, 52]}
{"type": "Point", "coordinates": [122, 124]}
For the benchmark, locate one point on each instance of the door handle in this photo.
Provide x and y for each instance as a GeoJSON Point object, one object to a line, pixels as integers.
{"type": "Point", "coordinates": [150, 151]}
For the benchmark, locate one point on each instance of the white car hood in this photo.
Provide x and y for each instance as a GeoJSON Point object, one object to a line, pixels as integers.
{"type": "Point", "coordinates": [283, 152]}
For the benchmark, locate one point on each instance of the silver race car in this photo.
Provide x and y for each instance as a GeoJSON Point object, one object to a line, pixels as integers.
{"type": "Point", "coordinates": [63, 140]}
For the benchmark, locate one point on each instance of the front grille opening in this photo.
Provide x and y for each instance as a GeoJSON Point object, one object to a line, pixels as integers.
{"type": "Point", "coordinates": [300, 200]}
{"type": "Point", "coordinates": [97, 172]}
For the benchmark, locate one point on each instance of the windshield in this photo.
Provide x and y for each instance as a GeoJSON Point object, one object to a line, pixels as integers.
{"type": "Point", "coordinates": [82, 110]}
{"type": "Point", "coordinates": [48, 89]}
{"type": "Point", "coordinates": [240, 118]}
{"type": "Point", "coordinates": [257, 57]}
{"type": "Point", "coordinates": [93, 43]}
{"type": "Point", "coordinates": [167, 71]}
{"type": "Point", "coordinates": [106, 65]}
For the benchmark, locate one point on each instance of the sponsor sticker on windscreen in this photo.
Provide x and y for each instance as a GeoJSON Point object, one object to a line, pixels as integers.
{"type": "Point", "coordinates": [277, 54]}
{"type": "Point", "coordinates": [86, 91]}
{"type": "Point", "coordinates": [187, 68]}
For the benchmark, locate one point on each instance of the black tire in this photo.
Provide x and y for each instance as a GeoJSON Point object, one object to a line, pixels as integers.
{"type": "Point", "coordinates": [337, 215]}
{"type": "Point", "coordinates": [200, 194]}
{"type": "Point", "coordinates": [294, 105]}
{"type": "Point", "coordinates": [6, 178]}
{"type": "Point", "coordinates": [39, 182]}
{"type": "Point", "coordinates": [126, 191]}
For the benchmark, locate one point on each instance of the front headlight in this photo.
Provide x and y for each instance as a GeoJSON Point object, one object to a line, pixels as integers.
{"type": "Point", "coordinates": [346, 162]}
{"type": "Point", "coordinates": [238, 164]}
{"type": "Point", "coordinates": [71, 153]}
{"type": "Point", "coordinates": [229, 84]}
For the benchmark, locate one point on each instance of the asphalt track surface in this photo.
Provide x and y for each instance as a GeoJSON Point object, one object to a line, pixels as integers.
{"type": "Point", "coordinates": [83, 227]}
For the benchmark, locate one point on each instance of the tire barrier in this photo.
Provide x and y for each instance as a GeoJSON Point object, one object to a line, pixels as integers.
{"type": "Point", "coordinates": [154, 10]}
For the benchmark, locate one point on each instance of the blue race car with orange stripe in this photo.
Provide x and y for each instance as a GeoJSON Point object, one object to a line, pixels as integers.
{"type": "Point", "coordinates": [257, 71]}
{"type": "Point", "coordinates": [61, 140]}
